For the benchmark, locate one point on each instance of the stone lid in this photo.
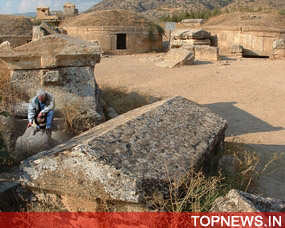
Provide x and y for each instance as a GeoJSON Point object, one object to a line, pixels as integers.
{"type": "Point", "coordinates": [185, 34]}
{"type": "Point", "coordinates": [56, 50]}
{"type": "Point", "coordinates": [131, 155]}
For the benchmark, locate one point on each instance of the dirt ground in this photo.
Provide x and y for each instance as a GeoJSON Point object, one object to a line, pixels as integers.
{"type": "Point", "coordinates": [249, 93]}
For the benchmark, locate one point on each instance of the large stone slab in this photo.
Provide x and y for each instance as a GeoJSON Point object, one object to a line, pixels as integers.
{"type": "Point", "coordinates": [131, 156]}
{"type": "Point", "coordinates": [177, 57]}
{"type": "Point", "coordinates": [206, 53]}
{"type": "Point", "coordinates": [52, 51]}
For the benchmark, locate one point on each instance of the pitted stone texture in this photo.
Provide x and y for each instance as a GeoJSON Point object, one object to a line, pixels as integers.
{"type": "Point", "coordinates": [238, 201]}
{"type": "Point", "coordinates": [177, 57]}
{"type": "Point", "coordinates": [130, 156]}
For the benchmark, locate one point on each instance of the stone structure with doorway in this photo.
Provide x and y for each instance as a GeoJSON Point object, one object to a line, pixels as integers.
{"type": "Point", "coordinates": [117, 31]}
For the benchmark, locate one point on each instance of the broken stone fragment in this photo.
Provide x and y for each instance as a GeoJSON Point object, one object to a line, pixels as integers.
{"type": "Point", "coordinates": [238, 201]}
{"type": "Point", "coordinates": [177, 57]}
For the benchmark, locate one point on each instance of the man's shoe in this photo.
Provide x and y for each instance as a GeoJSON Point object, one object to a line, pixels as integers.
{"type": "Point", "coordinates": [48, 132]}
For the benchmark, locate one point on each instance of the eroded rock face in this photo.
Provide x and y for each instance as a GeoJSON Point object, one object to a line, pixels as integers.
{"type": "Point", "coordinates": [131, 156]}
{"type": "Point", "coordinates": [238, 201]}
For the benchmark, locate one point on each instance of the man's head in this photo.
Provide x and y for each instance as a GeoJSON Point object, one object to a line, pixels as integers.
{"type": "Point", "coordinates": [41, 94]}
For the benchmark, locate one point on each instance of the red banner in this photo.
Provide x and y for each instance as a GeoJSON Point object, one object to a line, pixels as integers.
{"type": "Point", "coordinates": [141, 220]}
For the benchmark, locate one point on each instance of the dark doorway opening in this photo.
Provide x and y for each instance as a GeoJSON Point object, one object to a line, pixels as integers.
{"type": "Point", "coordinates": [256, 56]}
{"type": "Point", "coordinates": [122, 41]}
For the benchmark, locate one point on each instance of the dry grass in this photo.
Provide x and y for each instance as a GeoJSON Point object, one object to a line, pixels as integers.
{"type": "Point", "coordinates": [8, 94]}
{"type": "Point", "coordinates": [194, 192]}
{"type": "Point", "coordinates": [197, 191]}
{"type": "Point", "coordinates": [250, 166]}
{"type": "Point", "coordinates": [123, 101]}
{"type": "Point", "coordinates": [71, 112]}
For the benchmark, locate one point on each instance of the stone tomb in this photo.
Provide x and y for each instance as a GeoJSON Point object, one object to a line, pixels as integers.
{"type": "Point", "coordinates": [59, 64]}
{"type": "Point", "coordinates": [130, 157]}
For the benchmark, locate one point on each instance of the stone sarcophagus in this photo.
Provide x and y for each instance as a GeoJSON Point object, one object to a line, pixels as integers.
{"type": "Point", "coordinates": [61, 65]}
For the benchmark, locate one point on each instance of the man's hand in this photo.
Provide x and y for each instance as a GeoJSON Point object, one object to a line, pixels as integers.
{"type": "Point", "coordinates": [29, 124]}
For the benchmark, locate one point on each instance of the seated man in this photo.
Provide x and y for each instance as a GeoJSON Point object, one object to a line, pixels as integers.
{"type": "Point", "coordinates": [41, 110]}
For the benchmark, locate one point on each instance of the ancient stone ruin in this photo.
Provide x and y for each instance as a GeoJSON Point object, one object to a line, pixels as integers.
{"type": "Point", "coordinates": [129, 158]}
{"type": "Point", "coordinates": [62, 66]}
{"type": "Point", "coordinates": [44, 30]}
{"type": "Point", "coordinates": [255, 40]}
{"type": "Point", "coordinates": [117, 31]}
{"type": "Point", "coordinates": [198, 41]}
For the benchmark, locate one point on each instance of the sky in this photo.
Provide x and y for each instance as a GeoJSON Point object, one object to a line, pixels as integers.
{"type": "Point", "coordinates": [24, 6]}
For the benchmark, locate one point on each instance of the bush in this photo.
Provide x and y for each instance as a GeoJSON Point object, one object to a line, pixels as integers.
{"type": "Point", "coordinates": [197, 190]}
{"type": "Point", "coordinates": [282, 12]}
{"type": "Point", "coordinates": [202, 14]}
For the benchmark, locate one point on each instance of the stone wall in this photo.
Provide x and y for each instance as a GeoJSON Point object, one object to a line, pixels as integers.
{"type": "Point", "coordinates": [254, 40]}
{"type": "Point", "coordinates": [16, 41]}
{"type": "Point", "coordinates": [137, 40]}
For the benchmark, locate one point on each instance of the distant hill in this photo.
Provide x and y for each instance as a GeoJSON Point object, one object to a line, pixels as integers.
{"type": "Point", "coordinates": [15, 25]}
{"type": "Point", "coordinates": [29, 14]}
{"type": "Point", "coordinates": [159, 8]}
{"type": "Point", "coordinates": [239, 5]}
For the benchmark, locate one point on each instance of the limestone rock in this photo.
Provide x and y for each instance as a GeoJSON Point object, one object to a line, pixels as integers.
{"type": "Point", "coordinates": [206, 53]}
{"type": "Point", "coordinates": [191, 34]}
{"type": "Point", "coordinates": [30, 143]}
{"type": "Point", "coordinates": [238, 201]}
{"type": "Point", "coordinates": [177, 57]}
{"type": "Point", "coordinates": [131, 156]}
{"type": "Point", "coordinates": [5, 45]}
{"type": "Point", "coordinates": [228, 164]}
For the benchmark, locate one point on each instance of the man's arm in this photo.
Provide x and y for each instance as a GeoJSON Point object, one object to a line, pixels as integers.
{"type": "Point", "coordinates": [31, 111]}
{"type": "Point", "coordinates": [51, 104]}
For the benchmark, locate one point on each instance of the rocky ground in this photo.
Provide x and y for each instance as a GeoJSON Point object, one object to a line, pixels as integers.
{"type": "Point", "coordinates": [249, 93]}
